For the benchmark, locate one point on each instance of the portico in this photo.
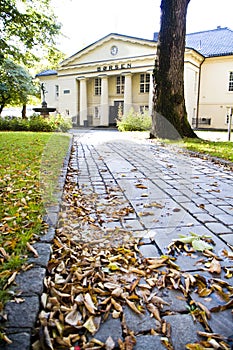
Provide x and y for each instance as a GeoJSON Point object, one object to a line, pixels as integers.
{"type": "Point", "coordinates": [100, 96]}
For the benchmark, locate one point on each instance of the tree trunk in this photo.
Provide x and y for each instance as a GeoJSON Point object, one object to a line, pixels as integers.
{"type": "Point", "coordinates": [23, 112]}
{"type": "Point", "coordinates": [169, 119]}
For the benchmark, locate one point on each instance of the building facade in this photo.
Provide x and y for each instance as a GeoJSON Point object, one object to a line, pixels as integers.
{"type": "Point", "coordinates": [116, 74]}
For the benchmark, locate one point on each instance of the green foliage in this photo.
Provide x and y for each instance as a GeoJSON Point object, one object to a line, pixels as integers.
{"type": "Point", "coordinates": [134, 121]}
{"type": "Point", "coordinates": [16, 84]}
{"type": "Point", "coordinates": [22, 200]}
{"type": "Point", "coordinates": [36, 123]}
{"type": "Point", "coordinates": [27, 28]}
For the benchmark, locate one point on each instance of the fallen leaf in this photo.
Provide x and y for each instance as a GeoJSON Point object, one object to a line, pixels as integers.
{"type": "Point", "coordinates": [74, 317]}
{"type": "Point", "coordinates": [133, 306]}
{"type": "Point", "coordinates": [92, 324]}
{"type": "Point", "coordinates": [109, 344]}
{"type": "Point", "coordinates": [88, 302]}
{"type": "Point", "coordinates": [214, 266]}
{"type": "Point", "coordinates": [32, 249]}
{"type": "Point", "coordinates": [139, 185]}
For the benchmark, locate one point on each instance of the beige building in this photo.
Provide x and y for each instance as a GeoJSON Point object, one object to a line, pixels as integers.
{"type": "Point", "coordinates": [116, 72]}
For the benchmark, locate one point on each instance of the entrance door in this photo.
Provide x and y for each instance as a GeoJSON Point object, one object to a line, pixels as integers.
{"type": "Point", "coordinates": [114, 110]}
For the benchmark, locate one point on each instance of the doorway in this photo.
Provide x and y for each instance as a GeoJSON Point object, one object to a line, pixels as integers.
{"type": "Point", "coordinates": [113, 111]}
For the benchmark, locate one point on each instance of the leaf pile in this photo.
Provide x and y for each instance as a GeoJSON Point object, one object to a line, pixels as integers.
{"type": "Point", "coordinates": [96, 272]}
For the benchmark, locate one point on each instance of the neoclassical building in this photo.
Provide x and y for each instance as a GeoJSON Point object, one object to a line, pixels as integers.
{"type": "Point", "coordinates": [116, 72]}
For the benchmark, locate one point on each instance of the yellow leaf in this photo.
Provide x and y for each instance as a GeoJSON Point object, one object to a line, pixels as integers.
{"type": "Point", "coordinates": [92, 324]}
{"type": "Point", "coordinates": [113, 266]}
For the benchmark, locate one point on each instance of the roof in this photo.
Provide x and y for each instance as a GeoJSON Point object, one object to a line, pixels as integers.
{"type": "Point", "coordinates": [209, 43]}
{"type": "Point", "coordinates": [216, 42]}
{"type": "Point", "coordinates": [106, 37]}
{"type": "Point", "coordinates": [46, 73]}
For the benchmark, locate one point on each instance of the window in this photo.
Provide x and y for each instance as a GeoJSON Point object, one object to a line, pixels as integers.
{"type": "Point", "coordinates": [120, 84]}
{"type": "Point", "coordinates": [96, 112]}
{"type": "Point", "coordinates": [56, 91]}
{"type": "Point", "coordinates": [230, 88]}
{"type": "Point", "coordinates": [97, 86]}
{"type": "Point", "coordinates": [143, 109]}
{"type": "Point", "coordinates": [144, 82]}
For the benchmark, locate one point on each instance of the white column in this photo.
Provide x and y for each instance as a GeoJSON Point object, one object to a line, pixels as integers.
{"type": "Point", "coordinates": [104, 118]}
{"type": "Point", "coordinates": [128, 92]}
{"type": "Point", "coordinates": [83, 100]}
{"type": "Point", "coordinates": [151, 92]}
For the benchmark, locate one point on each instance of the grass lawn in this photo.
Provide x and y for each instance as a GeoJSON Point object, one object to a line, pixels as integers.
{"type": "Point", "coordinates": [29, 164]}
{"type": "Point", "coordinates": [218, 149]}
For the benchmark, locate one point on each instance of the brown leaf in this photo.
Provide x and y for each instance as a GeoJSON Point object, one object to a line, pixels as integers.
{"type": "Point", "coordinates": [214, 266]}
{"type": "Point", "coordinates": [154, 311]}
{"type": "Point", "coordinates": [139, 185]}
{"type": "Point", "coordinates": [130, 341]}
{"type": "Point", "coordinates": [116, 305]}
{"type": "Point", "coordinates": [133, 306]}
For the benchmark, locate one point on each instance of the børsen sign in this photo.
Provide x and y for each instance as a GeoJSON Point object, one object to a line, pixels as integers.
{"type": "Point", "coordinates": [114, 67]}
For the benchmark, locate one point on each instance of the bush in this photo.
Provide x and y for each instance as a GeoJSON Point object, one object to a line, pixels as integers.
{"type": "Point", "coordinates": [133, 121]}
{"type": "Point", "coordinates": [36, 123]}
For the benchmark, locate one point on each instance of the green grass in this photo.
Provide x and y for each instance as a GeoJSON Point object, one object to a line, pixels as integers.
{"type": "Point", "coordinates": [24, 158]}
{"type": "Point", "coordinates": [218, 149]}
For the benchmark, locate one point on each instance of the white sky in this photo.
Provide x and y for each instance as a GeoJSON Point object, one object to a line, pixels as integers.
{"type": "Point", "coordinates": [86, 21]}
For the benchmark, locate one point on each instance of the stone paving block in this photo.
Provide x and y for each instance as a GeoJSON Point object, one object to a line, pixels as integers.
{"type": "Point", "coordinates": [181, 199]}
{"type": "Point", "coordinates": [44, 252]}
{"type": "Point", "coordinates": [131, 191]}
{"type": "Point", "coordinates": [204, 218]}
{"type": "Point", "coordinates": [111, 327]}
{"type": "Point", "coordinates": [30, 281]}
{"type": "Point", "coordinates": [20, 341]}
{"type": "Point", "coordinates": [226, 219]}
{"type": "Point", "coordinates": [22, 315]}
{"type": "Point", "coordinates": [149, 342]}
{"type": "Point", "coordinates": [213, 210]}
{"type": "Point", "coordinates": [193, 208]}
{"type": "Point", "coordinates": [217, 227]}
{"type": "Point", "coordinates": [228, 238]}
{"type": "Point", "coordinates": [48, 236]}
{"type": "Point", "coordinates": [183, 330]}
{"type": "Point", "coordinates": [222, 322]}
{"type": "Point", "coordinates": [149, 250]}
{"type": "Point", "coordinates": [175, 299]}
{"type": "Point", "coordinates": [140, 323]}
{"type": "Point", "coordinates": [132, 224]}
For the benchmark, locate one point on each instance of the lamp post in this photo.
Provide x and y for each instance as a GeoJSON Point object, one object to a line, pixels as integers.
{"type": "Point", "coordinates": [229, 120]}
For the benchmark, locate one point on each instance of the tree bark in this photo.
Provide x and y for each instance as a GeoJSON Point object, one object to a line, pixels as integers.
{"type": "Point", "coordinates": [169, 117]}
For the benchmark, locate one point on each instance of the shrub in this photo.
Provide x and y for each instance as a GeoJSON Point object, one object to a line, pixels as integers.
{"type": "Point", "coordinates": [36, 123]}
{"type": "Point", "coordinates": [134, 121]}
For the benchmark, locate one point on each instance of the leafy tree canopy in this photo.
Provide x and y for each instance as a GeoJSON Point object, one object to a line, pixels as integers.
{"type": "Point", "coordinates": [27, 28]}
{"type": "Point", "coordinates": [16, 84]}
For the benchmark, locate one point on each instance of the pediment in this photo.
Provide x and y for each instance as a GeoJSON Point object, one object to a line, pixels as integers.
{"type": "Point", "coordinates": [111, 48]}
